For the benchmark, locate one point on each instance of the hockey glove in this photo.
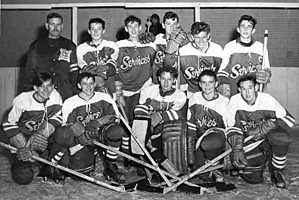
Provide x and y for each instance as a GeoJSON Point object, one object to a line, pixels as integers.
{"type": "Point", "coordinates": [237, 155]}
{"type": "Point", "coordinates": [178, 38]}
{"type": "Point", "coordinates": [262, 75]}
{"type": "Point", "coordinates": [260, 132]}
{"type": "Point", "coordinates": [98, 70]}
{"type": "Point", "coordinates": [38, 142]}
{"type": "Point", "coordinates": [156, 118]}
{"type": "Point", "coordinates": [77, 128]}
{"type": "Point", "coordinates": [24, 154]}
{"type": "Point", "coordinates": [225, 90]}
{"type": "Point", "coordinates": [146, 38]}
{"type": "Point", "coordinates": [84, 140]}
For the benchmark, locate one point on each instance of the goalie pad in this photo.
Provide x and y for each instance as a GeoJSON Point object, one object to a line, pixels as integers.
{"type": "Point", "coordinates": [139, 128]}
{"type": "Point", "coordinates": [174, 137]}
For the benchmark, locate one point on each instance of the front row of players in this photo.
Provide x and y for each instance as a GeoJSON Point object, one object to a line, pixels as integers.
{"type": "Point", "coordinates": [35, 126]}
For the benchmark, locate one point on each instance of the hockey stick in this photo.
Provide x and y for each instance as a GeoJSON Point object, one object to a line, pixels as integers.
{"type": "Point", "coordinates": [145, 150]}
{"type": "Point", "coordinates": [141, 162]}
{"type": "Point", "coordinates": [88, 178]}
{"type": "Point", "coordinates": [187, 177]}
{"type": "Point", "coordinates": [178, 81]}
{"type": "Point", "coordinates": [264, 56]}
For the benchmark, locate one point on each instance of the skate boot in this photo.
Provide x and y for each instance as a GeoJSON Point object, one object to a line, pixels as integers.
{"type": "Point", "coordinates": [277, 179]}
{"type": "Point", "coordinates": [111, 173]}
{"type": "Point", "coordinates": [50, 172]}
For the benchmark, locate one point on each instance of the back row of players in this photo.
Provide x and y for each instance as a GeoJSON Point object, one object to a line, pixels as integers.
{"type": "Point", "coordinates": [127, 70]}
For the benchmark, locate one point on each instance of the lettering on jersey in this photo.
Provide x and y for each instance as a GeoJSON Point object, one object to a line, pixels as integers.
{"type": "Point", "coordinates": [204, 121]}
{"type": "Point", "coordinates": [159, 57]}
{"type": "Point", "coordinates": [32, 125]}
{"type": "Point", "coordinates": [65, 55]}
{"type": "Point", "coordinates": [89, 117]}
{"type": "Point", "coordinates": [248, 125]}
{"type": "Point", "coordinates": [191, 72]}
{"type": "Point", "coordinates": [129, 62]}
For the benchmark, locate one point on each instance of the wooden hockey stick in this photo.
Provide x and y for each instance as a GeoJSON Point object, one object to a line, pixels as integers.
{"type": "Point", "coordinates": [83, 176]}
{"type": "Point", "coordinates": [265, 57]}
{"type": "Point", "coordinates": [145, 150]}
{"type": "Point", "coordinates": [187, 177]}
{"type": "Point", "coordinates": [178, 81]}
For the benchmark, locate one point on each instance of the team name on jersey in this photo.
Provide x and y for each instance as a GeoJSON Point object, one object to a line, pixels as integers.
{"type": "Point", "coordinates": [248, 125]}
{"type": "Point", "coordinates": [204, 121]}
{"type": "Point", "coordinates": [240, 70]}
{"type": "Point", "coordinates": [32, 125]}
{"type": "Point", "coordinates": [159, 57]}
{"type": "Point", "coordinates": [191, 72]}
{"type": "Point", "coordinates": [89, 117]}
{"type": "Point", "coordinates": [129, 62]}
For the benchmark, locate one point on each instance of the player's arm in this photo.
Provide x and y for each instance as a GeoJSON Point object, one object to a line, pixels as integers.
{"type": "Point", "coordinates": [31, 66]}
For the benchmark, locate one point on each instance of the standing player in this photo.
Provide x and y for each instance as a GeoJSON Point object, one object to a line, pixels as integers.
{"type": "Point", "coordinates": [243, 56]}
{"type": "Point", "coordinates": [54, 55]}
{"type": "Point", "coordinates": [32, 120]}
{"type": "Point", "coordinates": [134, 66]}
{"type": "Point", "coordinates": [159, 105]}
{"type": "Point", "coordinates": [201, 54]}
{"type": "Point", "coordinates": [259, 114]}
{"type": "Point", "coordinates": [99, 56]}
{"type": "Point", "coordinates": [206, 123]}
{"type": "Point", "coordinates": [88, 116]}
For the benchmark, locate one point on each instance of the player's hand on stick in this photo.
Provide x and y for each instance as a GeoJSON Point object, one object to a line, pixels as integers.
{"type": "Point", "coordinates": [262, 75]}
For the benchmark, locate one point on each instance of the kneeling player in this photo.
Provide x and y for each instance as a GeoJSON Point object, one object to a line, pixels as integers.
{"type": "Point", "coordinates": [31, 121]}
{"type": "Point", "coordinates": [158, 105]}
{"type": "Point", "coordinates": [88, 116]}
{"type": "Point", "coordinates": [258, 114]}
{"type": "Point", "coordinates": [206, 124]}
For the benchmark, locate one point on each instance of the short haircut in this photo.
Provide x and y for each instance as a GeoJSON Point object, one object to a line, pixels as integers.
{"type": "Point", "coordinates": [96, 20]}
{"type": "Point", "coordinates": [207, 72]}
{"type": "Point", "coordinates": [155, 16]}
{"type": "Point", "coordinates": [132, 18]}
{"type": "Point", "coordinates": [85, 75]}
{"type": "Point", "coordinates": [170, 15]}
{"type": "Point", "coordinates": [40, 78]}
{"type": "Point", "coordinates": [173, 71]}
{"type": "Point", "coordinates": [54, 15]}
{"type": "Point", "coordinates": [198, 27]}
{"type": "Point", "coordinates": [249, 18]}
{"type": "Point", "coordinates": [248, 77]}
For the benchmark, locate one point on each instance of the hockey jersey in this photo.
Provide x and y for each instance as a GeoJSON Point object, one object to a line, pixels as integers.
{"type": "Point", "coordinates": [77, 109]}
{"type": "Point", "coordinates": [56, 57]}
{"type": "Point", "coordinates": [153, 100]}
{"type": "Point", "coordinates": [239, 60]}
{"type": "Point", "coordinates": [27, 114]}
{"type": "Point", "coordinates": [193, 62]}
{"type": "Point", "coordinates": [134, 65]}
{"type": "Point", "coordinates": [242, 117]}
{"type": "Point", "coordinates": [105, 53]}
{"type": "Point", "coordinates": [203, 114]}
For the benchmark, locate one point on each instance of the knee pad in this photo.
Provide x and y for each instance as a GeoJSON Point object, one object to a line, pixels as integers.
{"type": "Point", "coordinates": [63, 136]}
{"type": "Point", "coordinates": [83, 161]}
{"type": "Point", "coordinates": [253, 177]}
{"type": "Point", "coordinates": [280, 142]}
{"type": "Point", "coordinates": [112, 134]}
{"type": "Point", "coordinates": [22, 172]}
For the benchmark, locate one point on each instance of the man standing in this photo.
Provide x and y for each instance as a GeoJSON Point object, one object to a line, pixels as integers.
{"type": "Point", "coordinates": [243, 56]}
{"type": "Point", "coordinates": [99, 56]}
{"type": "Point", "coordinates": [54, 55]}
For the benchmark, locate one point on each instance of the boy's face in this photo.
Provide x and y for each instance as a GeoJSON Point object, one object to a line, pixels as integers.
{"type": "Point", "coordinates": [96, 31]}
{"type": "Point", "coordinates": [246, 29]}
{"type": "Point", "coordinates": [54, 26]}
{"type": "Point", "coordinates": [208, 84]}
{"type": "Point", "coordinates": [170, 25]}
{"type": "Point", "coordinates": [166, 81]}
{"type": "Point", "coordinates": [248, 91]}
{"type": "Point", "coordinates": [44, 91]}
{"type": "Point", "coordinates": [201, 39]}
{"type": "Point", "coordinates": [133, 29]}
{"type": "Point", "coordinates": [87, 86]}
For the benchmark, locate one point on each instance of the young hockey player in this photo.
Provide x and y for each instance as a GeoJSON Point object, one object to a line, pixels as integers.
{"type": "Point", "coordinates": [258, 114]}
{"type": "Point", "coordinates": [32, 120]}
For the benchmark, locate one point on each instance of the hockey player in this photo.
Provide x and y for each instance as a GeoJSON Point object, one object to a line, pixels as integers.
{"type": "Point", "coordinates": [160, 104]}
{"type": "Point", "coordinates": [259, 114]}
{"type": "Point", "coordinates": [54, 55]}
{"type": "Point", "coordinates": [198, 55]}
{"type": "Point", "coordinates": [206, 124]}
{"type": "Point", "coordinates": [87, 116]}
{"type": "Point", "coordinates": [134, 66]}
{"type": "Point", "coordinates": [99, 56]}
{"type": "Point", "coordinates": [243, 56]}
{"type": "Point", "coordinates": [32, 120]}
